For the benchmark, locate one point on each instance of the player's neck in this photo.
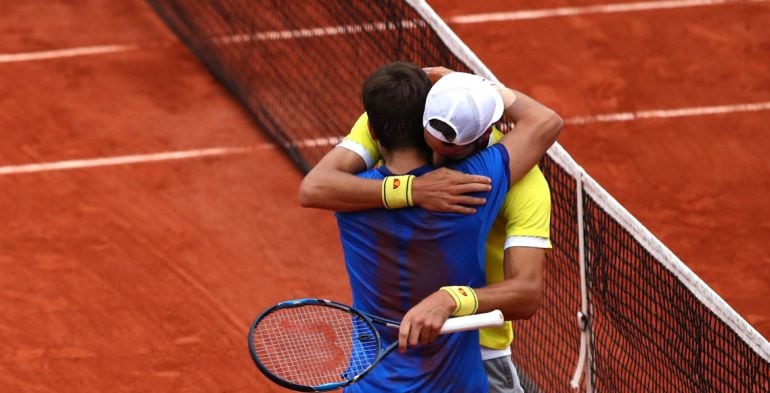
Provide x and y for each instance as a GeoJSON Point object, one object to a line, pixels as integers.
{"type": "Point", "coordinates": [404, 160]}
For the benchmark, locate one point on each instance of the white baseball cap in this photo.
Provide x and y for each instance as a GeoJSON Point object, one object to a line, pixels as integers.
{"type": "Point", "coordinates": [468, 103]}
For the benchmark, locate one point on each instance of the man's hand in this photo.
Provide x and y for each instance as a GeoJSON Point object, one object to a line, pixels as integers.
{"type": "Point", "coordinates": [443, 190]}
{"type": "Point", "coordinates": [436, 73]}
{"type": "Point", "coordinates": [423, 322]}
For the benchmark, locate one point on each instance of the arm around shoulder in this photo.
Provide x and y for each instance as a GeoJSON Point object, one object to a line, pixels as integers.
{"type": "Point", "coordinates": [537, 128]}
{"type": "Point", "coordinates": [332, 185]}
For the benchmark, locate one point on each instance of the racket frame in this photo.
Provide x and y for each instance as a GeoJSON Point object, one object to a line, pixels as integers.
{"type": "Point", "coordinates": [368, 319]}
{"type": "Point", "coordinates": [489, 319]}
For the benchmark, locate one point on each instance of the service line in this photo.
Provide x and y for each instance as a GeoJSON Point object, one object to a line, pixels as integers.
{"type": "Point", "coordinates": [669, 113]}
{"type": "Point", "coordinates": [331, 141]}
{"type": "Point", "coordinates": [368, 27]}
{"type": "Point", "coordinates": [79, 51]}
{"type": "Point", "coordinates": [126, 160]}
{"type": "Point", "coordinates": [586, 10]}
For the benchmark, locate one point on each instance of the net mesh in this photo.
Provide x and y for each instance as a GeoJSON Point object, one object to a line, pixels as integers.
{"type": "Point", "coordinates": [546, 346]}
{"type": "Point", "coordinates": [649, 332]}
{"type": "Point", "coordinates": [298, 67]}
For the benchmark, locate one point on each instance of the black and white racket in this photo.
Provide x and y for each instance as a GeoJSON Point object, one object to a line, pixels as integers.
{"type": "Point", "coordinates": [316, 345]}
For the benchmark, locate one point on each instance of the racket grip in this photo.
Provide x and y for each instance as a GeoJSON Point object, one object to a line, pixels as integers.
{"type": "Point", "coordinates": [472, 322]}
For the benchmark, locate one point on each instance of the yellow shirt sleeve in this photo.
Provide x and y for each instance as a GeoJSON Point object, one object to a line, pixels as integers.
{"type": "Point", "coordinates": [527, 212]}
{"type": "Point", "coordinates": [523, 221]}
{"type": "Point", "coordinates": [527, 209]}
{"type": "Point", "coordinates": [496, 135]}
{"type": "Point", "coordinates": [360, 141]}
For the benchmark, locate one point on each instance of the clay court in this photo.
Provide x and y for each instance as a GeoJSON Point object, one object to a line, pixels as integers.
{"type": "Point", "coordinates": [147, 219]}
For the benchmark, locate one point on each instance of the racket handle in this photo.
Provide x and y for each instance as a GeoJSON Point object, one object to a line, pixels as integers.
{"type": "Point", "coordinates": [472, 322]}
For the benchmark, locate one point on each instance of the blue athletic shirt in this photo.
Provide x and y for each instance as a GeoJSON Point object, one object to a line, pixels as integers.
{"type": "Point", "coordinates": [396, 258]}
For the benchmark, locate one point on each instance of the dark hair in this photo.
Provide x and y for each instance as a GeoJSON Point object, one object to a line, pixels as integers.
{"type": "Point", "coordinates": [445, 129]}
{"type": "Point", "coordinates": [394, 99]}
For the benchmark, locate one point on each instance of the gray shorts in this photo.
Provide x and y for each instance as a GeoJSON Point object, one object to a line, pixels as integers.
{"type": "Point", "coordinates": [502, 375]}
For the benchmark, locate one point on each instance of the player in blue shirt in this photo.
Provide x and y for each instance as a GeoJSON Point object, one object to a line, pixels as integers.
{"type": "Point", "coordinates": [421, 265]}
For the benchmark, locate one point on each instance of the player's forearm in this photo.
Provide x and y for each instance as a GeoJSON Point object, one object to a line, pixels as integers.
{"type": "Point", "coordinates": [537, 128]}
{"type": "Point", "coordinates": [545, 122]}
{"type": "Point", "coordinates": [332, 185]}
{"type": "Point", "coordinates": [332, 189]}
{"type": "Point", "coordinates": [520, 294]}
{"type": "Point", "coordinates": [516, 298]}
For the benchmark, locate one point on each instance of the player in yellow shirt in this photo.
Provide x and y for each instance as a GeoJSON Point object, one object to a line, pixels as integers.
{"type": "Point", "coordinates": [516, 244]}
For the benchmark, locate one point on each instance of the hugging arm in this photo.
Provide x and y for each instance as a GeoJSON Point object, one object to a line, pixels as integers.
{"type": "Point", "coordinates": [537, 128]}
{"type": "Point", "coordinates": [520, 294]}
{"type": "Point", "coordinates": [332, 185]}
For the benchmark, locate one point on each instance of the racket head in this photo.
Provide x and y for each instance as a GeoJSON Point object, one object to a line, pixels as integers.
{"type": "Point", "coordinates": [314, 345]}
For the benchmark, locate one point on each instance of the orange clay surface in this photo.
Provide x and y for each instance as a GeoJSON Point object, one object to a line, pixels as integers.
{"type": "Point", "coordinates": [145, 277]}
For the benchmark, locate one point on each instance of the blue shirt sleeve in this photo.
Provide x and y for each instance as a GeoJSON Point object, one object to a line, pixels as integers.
{"type": "Point", "coordinates": [493, 163]}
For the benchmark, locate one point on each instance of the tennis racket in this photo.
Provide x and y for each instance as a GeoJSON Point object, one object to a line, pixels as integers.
{"type": "Point", "coordinates": [316, 345]}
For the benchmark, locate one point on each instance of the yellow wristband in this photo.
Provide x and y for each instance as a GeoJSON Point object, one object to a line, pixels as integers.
{"type": "Point", "coordinates": [397, 191]}
{"type": "Point", "coordinates": [466, 302]}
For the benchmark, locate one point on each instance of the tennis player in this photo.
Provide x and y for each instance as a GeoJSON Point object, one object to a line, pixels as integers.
{"type": "Point", "coordinates": [515, 247]}
{"type": "Point", "coordinates": [400, 258]}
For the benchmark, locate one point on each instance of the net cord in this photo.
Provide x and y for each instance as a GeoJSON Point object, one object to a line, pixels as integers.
{"type": "Point", "coordinates": [695, 284]}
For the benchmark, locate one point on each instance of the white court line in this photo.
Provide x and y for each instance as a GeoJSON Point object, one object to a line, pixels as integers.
{"type": "Point", "coordinates": [669, 113]}
{"type": "Point", "coordinates": [591, 9]}
{"type": "Point", "coordinates": [328, 141]}
{"type": "Point", "coordinates": [354, 29]}
{"type": "Point", "coordinates": [237, 38]}
{"type": "Point", "coordinates": [231, 39]}
{"type": "Point", "coordinates": [131, 159]}
{"type": "Point", "coordinates": [331, 141]}
{"type": "Point", "coordinates": [80, 51]}
{"type": "Point", "coordinates": [319, 31]}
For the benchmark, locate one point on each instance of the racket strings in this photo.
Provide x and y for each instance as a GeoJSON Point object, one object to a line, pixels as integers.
{"type": "Point", "coordinates": [314, 345]}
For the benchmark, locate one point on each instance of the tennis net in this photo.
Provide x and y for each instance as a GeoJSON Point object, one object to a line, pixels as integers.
{"type": "Point", "coordinates": [649, 324]}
